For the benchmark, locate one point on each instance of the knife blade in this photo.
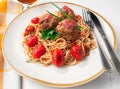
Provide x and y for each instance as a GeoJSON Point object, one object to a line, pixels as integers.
{"type": "Point", "coordinates": [115, 60]}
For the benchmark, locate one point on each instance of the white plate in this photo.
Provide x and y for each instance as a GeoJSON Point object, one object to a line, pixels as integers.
{"type": "Point", "coordinates": [85, 71]}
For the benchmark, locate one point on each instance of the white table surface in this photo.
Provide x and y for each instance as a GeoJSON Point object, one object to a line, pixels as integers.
{"type": "Point", "coordinates": [110, 10]}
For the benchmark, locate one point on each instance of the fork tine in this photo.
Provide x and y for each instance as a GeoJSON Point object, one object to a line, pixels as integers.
{"type": "Point", "coordinates": [85, 15]}
{"type": "Point", "coordinates": [89, 17]}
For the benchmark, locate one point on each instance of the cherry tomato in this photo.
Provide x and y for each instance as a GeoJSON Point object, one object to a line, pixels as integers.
{"type": "Point", "coordinates": [29, 30]}
{"type": "Point", "coordinates": [78, 18]}
{"type": "Point", "coordinates": [57, 57]}
{"type": "Point", "coordinates": [38, 50]}
{"type": "Point", "coordinates": [35, 20]}
{"type": "Point", "coordinates": [31, 41]}
{"type": "Point", "coordinates": [77, 52]}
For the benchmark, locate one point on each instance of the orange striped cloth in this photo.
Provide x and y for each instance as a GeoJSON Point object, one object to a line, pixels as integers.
{"type": "Point", "coordinates": [8, 10]}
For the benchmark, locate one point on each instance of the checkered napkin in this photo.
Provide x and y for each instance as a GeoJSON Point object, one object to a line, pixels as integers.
{"type": "Point", "coordinates": [8, 78]}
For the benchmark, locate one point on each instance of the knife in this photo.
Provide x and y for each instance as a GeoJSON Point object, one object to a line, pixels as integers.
{"type": "Point", "coordinates": [104, 56]}
{"type": "Point", "coordinates": [115, 60]}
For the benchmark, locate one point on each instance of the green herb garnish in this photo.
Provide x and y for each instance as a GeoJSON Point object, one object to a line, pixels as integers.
{"type": "Point", "coordinates": [61, 10]}
{"type": "Point", "coordinates": [28, 60]}
{"type": "Point", "coordinates": [53, 14]}
{"type": "Point", "coordinates": [49, 34]}
{"type": "Point", "coordinates": [79, 27]}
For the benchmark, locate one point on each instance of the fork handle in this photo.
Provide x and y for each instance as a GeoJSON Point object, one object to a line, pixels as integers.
{"type": "Point", "coordinates": [113, 55]}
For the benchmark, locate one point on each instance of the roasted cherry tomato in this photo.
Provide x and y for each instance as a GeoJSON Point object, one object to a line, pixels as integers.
{"type": "Point", "coordinates": [35, 20]}
{"type": "Point", "coordinates": [31, 41]}
{"type": "Point", "coordinates": [38, 51]}
{"type": "Point", "coordinates": [29, 30]}
{"type": "Point", "coordinates": [77, 52]}
{"type": "Point", "coordinates": [78, 18]}
{"type": "Point", "coordinates": [57, 57]}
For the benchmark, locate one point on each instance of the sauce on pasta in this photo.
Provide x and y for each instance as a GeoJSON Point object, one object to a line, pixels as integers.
{"type": "Point", "coordinates": [57, 39]}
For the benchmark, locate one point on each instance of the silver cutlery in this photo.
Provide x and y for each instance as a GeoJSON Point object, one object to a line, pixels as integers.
{"type": "Point", "coordinates": [89, 22]}
{"type": "Point", "coordinates": [115, 60]}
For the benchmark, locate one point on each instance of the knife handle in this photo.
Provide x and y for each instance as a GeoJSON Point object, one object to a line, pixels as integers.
{"type": "Point", "coordinates": [104, 58]}
{"type": "Point", "coordinates": [115, 60]}
{"type": "Point", "coordinates": [103, 54]}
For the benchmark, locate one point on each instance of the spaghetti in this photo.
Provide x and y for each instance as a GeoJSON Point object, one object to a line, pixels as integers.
{"type": "Point", "coordinates": [67, 35]}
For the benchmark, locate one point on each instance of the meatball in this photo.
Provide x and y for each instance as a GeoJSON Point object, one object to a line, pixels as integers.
{"type": "Point", "coordinates": [69, 30]}
{"type": "Point", "coordinates": [66, 26]}
{"type": "Point", "coordinates": [48, 21]}
{"type": "Point", "coordinates": [68, 11]}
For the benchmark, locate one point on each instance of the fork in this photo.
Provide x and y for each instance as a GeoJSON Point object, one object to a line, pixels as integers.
{"type": "Point", "coordinates": [87, 19]}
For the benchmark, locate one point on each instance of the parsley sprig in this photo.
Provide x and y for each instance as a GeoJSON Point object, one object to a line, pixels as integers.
{"type": "Point", "coordinates": [49, 34]}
